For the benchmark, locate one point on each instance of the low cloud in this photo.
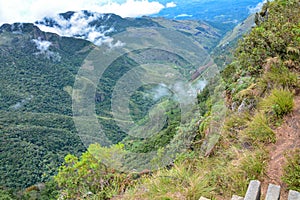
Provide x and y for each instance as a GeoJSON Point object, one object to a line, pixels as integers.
{"type": "Point", "coordinates": [43, 46]}
{"type": "Point", "coordinates": [31, 10]}
{"type": "Point", "coordinates": [20, 104]}
{"type": "Point", "coordinates": [43, 49]}
{"type": "Point", "coordinates": [182, 92]}
{"type": "Point", "coordinates": [79, 26]}
{"type": "Point", "coordinates": [160, 91]}
{"type": "Point", "coordinates": [200, 85]}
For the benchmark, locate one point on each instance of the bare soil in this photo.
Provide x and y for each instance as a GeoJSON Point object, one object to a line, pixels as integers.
{"type": "Point", "coordinates": [287, 139]}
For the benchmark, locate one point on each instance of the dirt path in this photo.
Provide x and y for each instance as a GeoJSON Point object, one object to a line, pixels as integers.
{"type": "Point", "coordinates": [288, 138]}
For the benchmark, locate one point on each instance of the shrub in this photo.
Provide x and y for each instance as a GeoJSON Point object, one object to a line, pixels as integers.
{"type": "Point", "coordinates": [235, 123]}
{"type": "Point", "coordinates": [87, 175]}
{"type": "Point", "coordinates": [6, 195]}
{"type": "Point", "coordinates": [180, 182]}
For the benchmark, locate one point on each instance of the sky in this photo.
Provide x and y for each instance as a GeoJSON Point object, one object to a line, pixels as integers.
{"type": "Point", "coordinates": [31, 10]}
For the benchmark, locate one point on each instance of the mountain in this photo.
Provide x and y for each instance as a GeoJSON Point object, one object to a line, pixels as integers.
{"type": "Point", "coordinates": [248, 129]}
{"type": "Point", "coordinates": [90, 25]}
{"type": "Point", "coordinates": [38, 71]}
{"type": "Point", "coordinates": [37, 129]}
{"type": "Point", "coordinates": [97, 28]}
{"type": "Point", "coordinates": [222, 11]}
{"type": "Point", "coordinates": [40, 63]}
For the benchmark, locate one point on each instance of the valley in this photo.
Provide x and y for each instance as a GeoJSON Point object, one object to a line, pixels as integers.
{"type": "Point", "coordinates": [167, 106]}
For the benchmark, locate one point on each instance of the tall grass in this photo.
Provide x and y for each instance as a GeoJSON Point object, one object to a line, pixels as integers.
{"type": "Point", "coordinates": [292, 171]}
{"type": "Point", "coordinates": [258, 130]}
{"type": "Point", "coordinates": [181, 182]}
{"type": "Point", "coordinates": [280, 102]}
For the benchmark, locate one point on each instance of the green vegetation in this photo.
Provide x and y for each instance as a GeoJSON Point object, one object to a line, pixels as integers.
{"type": "Point", "coordinates": [259, 92]}
{"type": "Point", "coordinates": [280, 102]}
{"type": "Point", "coordinates": [292, 170]}
{"type": "Point", "coordinates": [36, 126]}
{"type": "Point", "coordinates": [259, 130]}
{"type": "Point", "coordinates": [228, 138]}
{"type": "Point", "coordinates": [88, 176]}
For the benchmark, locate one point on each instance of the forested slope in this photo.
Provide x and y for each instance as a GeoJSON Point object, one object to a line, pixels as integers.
{"type": "Point", "coordinates": [38, 71]}
{"type": "Point", "coordinates": [258, 88]}
{"type": "Point", "coordinates": [240, 109]}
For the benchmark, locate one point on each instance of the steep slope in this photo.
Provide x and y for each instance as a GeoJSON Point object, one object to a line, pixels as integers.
{"type": "Point", "coordinates": [261, 123]}
{"type": "Point", "coordinates": [287, 140]}
{"type": "Point", "coordinates": [36, 124]}
{"type": "Point", "coordinates": [207, 35]}
{"type": "Point", "coordinates": [38, 71]}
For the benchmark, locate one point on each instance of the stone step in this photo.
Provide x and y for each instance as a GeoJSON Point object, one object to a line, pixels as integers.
{"type": "Point", "coordinates": [203, 198]}
{"type": "Point", "coordinates": [294, 195]}
{"type": "Point", "coordinates": [253, 192]}
{"type": "Point", "coordinates": [235, 197]}
{"type": "Point", "coordinates": [273, 192]}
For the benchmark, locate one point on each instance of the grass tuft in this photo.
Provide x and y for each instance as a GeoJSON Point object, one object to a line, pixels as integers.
{"type": "Point", "coordinates": [292, 171]}
{"type": "Point", "coordinates": [258, 130]}
{"type": "Point", "coordinates": [280, 102]}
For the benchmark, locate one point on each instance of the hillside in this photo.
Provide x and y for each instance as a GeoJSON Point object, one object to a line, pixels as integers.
{"type": "Point", "coordinates": [234, 132]}
{"type": "Point", "coordinates": [38, 71]}
{"type": "Point", "coordinates": [37, 129]}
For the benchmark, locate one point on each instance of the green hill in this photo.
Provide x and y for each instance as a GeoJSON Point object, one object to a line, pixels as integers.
{"type": "Point", "coordinates": [38, 71]}
{"type": "Point", "coordinates": [241, 111]}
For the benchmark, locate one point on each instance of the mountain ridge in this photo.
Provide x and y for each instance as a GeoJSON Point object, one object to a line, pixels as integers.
{"type": "Point", "coordinates": [38, 72]}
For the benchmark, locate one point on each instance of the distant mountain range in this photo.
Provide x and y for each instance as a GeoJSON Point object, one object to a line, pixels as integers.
{"type": "Point", "coordinates": [225, 11]}
{"type": "Point", "coordinates": [98, 28]}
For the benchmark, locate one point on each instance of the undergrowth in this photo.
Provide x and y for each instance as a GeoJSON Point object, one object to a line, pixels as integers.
{"type": "Point", "coordinates": [279, 103]}
{"type": "Point", "coordinates": [292, 170]}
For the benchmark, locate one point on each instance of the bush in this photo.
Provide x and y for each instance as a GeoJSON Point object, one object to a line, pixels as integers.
{"type": "Point", "coordinates": [180, 182]}
{"type": "Point", "coordinates": [78, 178]}
{"type": "Point", "coordinates": [235, 123]}
{"type": "Point", "coordinates": [6, 195]}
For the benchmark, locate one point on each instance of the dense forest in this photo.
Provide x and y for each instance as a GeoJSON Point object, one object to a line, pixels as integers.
{"type": "Point", "coordinates": [38, 72]}
{"type": "Point", "coordinates": [239, 110]}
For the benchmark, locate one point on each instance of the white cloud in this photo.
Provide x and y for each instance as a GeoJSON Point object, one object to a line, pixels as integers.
{"type": "Point", "coordinates": [79, 26]}
{"type": "Point", "coordinates": [171, 5]}
{"type": "Point", "coordinates": [160, 91]}
{"type": "Point", "coordinates": [43, 47]}
{"type": "Point", "coordinates": [32, 10]}
{"type": "Point", "coordinates": [132, 8]}
{"type": "Point", "coordinates": [183, 15]}
{"type": "Point", "coordinates": [257, 8]}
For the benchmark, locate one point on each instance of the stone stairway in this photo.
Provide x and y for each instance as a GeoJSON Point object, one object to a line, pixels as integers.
{"type": "Point", "coordinates": [254, 193]}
